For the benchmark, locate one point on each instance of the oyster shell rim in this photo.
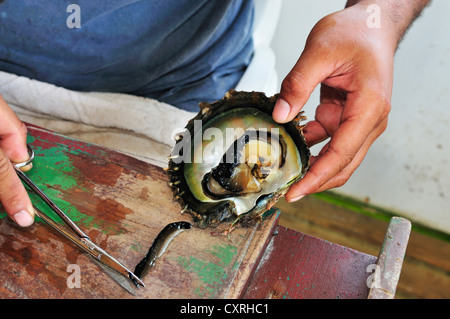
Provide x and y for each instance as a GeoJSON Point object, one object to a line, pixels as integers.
{"type": "Point", "coordinates": [224, 209]}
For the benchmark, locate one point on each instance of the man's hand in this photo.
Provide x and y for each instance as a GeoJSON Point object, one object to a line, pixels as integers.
{"type": "Point", "coordinates": [13, 195]}
{"type": "Point", "coordinates": [354, 65]}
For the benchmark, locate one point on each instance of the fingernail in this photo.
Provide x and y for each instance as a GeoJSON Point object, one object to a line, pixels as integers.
{"type": "Point", "coordinates": [281, 110]}
{"type": "Point", "coordinates": [295, 199]}
{"type": "Point", "coordinates": [23, 218]}
{"type": "Point", "coordinates": [27, 167]}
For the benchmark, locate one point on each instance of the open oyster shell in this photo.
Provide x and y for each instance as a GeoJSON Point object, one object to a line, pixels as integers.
{"type": "Point", "coordinates": [234, 161]}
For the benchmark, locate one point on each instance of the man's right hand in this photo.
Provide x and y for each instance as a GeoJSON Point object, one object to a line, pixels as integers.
{"type": "Point", "coordinates": [13, 195]}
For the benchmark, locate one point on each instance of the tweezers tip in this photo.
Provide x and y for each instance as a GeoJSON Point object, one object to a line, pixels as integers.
{"type": "Point", "coordinates": [136, 280]}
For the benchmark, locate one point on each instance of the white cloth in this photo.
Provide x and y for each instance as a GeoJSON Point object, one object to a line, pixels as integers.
{"type": "Point", "coordinates": [137, 125]}
{"type": "Point", "coordinates": [145, 116]}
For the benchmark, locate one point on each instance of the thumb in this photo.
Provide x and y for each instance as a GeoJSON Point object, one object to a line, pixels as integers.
{"type": "Point", "coordinates": [298, 85]}
{"type": "Point", "coordinates": [13, 195]}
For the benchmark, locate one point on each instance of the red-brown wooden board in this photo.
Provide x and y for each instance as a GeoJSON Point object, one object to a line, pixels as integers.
{"type": "Point", "coordinates": [122, 204]}
{"type": "Point", "coordinates": [298, 266]}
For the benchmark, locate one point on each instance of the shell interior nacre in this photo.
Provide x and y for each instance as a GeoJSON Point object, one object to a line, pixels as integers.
{"type": "Point", "coordinates": [229, 127]}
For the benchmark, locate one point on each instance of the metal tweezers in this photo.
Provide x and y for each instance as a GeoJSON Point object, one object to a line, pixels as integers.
{"type": "Point", "coordinates": [114, 268]}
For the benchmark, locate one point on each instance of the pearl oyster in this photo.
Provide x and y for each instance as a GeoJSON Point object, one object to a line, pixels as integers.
{"type": "Point", "coordinates": [234, 161]}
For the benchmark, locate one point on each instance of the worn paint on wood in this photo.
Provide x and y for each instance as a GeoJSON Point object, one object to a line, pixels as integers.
{"type": "Point", "coordinates": [122, 204]}
{"type": "Point", "coordinates": [298, 266]}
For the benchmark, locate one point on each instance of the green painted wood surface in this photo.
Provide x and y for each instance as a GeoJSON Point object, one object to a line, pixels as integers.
{"type": "Point", "coordinates": [122, 204]}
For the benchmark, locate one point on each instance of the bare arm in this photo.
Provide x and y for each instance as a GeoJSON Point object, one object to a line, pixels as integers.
{"type": "Point", "coordinates": [400, 13]}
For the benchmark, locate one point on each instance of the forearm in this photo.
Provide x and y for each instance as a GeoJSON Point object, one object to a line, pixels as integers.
{"type": "Point", "coordinates": [398, 15]}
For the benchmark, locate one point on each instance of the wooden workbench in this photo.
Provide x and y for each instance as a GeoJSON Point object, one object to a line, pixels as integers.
{"type": "Point", "coordinates": [122, 204]}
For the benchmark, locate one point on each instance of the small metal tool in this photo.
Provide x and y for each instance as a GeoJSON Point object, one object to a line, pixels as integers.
{"type": "Point", "coordinates": [114, 268]}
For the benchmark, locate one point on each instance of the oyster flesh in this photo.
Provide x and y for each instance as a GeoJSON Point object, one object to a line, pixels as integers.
{"type": "Point", "coordinates": [234, 161]}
